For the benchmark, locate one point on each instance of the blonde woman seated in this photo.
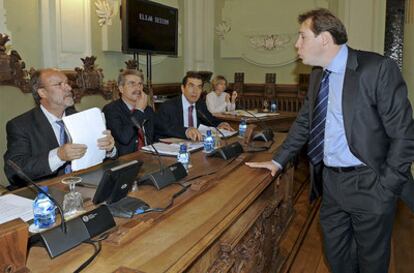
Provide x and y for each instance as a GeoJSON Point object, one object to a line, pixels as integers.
{"type": "Point", "coordinates": [218, 100]}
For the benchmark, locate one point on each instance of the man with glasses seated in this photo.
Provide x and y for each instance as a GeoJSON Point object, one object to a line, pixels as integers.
{"type": "Point", "coordinates": [130, 118]}
{"type": "Point", "coordinates": [37, 141]}
{"type": "Point", "coordinates": [181, 116]}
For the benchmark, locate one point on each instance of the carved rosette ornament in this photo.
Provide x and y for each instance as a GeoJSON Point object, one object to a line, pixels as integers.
{"type": "Point", "coordinates": [12, 67]}
{"type": "Point", "coordinates": [270, 42]}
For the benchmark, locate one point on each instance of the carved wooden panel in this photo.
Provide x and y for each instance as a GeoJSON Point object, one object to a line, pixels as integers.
{"type": "Point", "coordinates": [251, 244]}
{"type": "Point", "coordinates": [12, 67]}
{"type": "Point", "coordinates": [239, 82]}
{"type": "Point", "coordinates": [270, 84]}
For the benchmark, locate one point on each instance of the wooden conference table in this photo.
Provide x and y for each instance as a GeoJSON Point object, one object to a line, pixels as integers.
{"type": "Point", "coordinates": [230, 220]}
{"type": "Point", "coordinates": [279, 122]}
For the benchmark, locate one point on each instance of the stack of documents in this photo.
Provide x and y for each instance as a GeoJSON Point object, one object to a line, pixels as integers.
{"type": "Point", "coordinates": [173, 148]}
{"type": "Point", "coordinates": [251, 114]}
{"type": "Point", "coordinates": [203, 130]}
{"type": "Point", "coordinates": [13, 206]}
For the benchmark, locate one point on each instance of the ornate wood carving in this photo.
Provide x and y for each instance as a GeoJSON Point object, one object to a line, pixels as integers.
{"type": "Point", "coordinates": [270, 85]}
{"type": "Point", "coordinates": [131, 64]}
{"type": "Point", "coordinates": [89, 80]}
{"type": "Point", "coordinates": [239, 82]}
{"type": "Point", "coordinates": [12, 67]}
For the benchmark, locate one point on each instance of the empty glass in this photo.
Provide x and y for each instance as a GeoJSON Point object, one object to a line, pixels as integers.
{"type": "Point", "coordinates": [72, 202]}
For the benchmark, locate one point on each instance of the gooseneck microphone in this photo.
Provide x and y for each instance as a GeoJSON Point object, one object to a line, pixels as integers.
{"type": "Point", "coordinates": [211, 124]}
{"type": "Point", "coordinates": [266, 134]}
{"type": "Point", "coordinates": [23, 176]}
{"type": "Point", "coordinates": [165, 175]}
{"type": "Point", "coordinates": [141, 127]}
{"type": "Point", "coordinates": [228, 150]}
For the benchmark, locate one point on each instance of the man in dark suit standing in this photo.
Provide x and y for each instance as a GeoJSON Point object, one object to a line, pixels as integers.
{"type": "Point", "coordinates": [357, 122]}
{"type": "Point", "coordinates": [181, 116]}
{"type": "Point", "coordinates": [36, 140]}
{"type": "Point", "coordinates": [132, 107]}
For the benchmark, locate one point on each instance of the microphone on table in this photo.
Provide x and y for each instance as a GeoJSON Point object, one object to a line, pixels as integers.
{"type": "Point", "coordinates": [141, 127]}
{"type": "Point", "coordinates": [165, 175]}
{"type": "Point", "coordinates": [73, 232]}
{"type": "Point", "coordinates": [266, 134]}
{"type": "Point", "coordinates": [228, 150]}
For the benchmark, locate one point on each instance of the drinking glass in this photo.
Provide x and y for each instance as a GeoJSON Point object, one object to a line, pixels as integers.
{"type": "Point", "coordinates": [72, 202]}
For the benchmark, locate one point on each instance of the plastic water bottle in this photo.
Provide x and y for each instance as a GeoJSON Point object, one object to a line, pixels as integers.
{"type": "Point", "coordinates": [273, 107]}
{"type": "Point", "coordinates": [43, 210]}
{"type": "Point", "coordinates": [242, 128]}
{"type": "Point", "coordinates": [209, 142]}
{"type": "Point", "coordinates": [184, 156]}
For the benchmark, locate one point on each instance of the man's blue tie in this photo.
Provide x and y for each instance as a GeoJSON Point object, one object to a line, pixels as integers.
{"type": "Point", "coordinates": [317, 132]}
{"type": "Point", "coordinates": [63, 139]}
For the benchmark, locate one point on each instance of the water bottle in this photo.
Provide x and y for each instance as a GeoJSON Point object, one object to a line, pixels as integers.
{"type": "Point", "coordinates": [273, 107]}
{"type": "Point", "coordinates": [43, 210]}
{"type": "Point", "coordinates": [242, 128]}
{"type": "Point", "coordinates": [184, 156]}
{"type": "Point", "coordinates": [209, 142]}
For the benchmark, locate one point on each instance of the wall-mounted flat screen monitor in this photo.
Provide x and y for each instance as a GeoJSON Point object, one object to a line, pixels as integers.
{"type": "Point", "coordinates": [149, 27]}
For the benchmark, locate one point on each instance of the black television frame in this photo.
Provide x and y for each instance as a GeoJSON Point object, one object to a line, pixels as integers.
{"type": "Point", "coordinates": [125, 30]}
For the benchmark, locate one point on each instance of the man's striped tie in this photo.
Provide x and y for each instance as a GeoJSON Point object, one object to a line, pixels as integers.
{"type": "Point", "coordinates": [317, 132]}
{"type": "Point", "coordinates": [63, 139]}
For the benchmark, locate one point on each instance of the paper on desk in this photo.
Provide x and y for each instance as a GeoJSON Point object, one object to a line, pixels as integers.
{"type": "Point", "coordinates": [13, 206]}
{"type": "Point", "coordinates": [173, 148]}
{"type": "Point", "coordinates": [203, 130]}
{"type": "Point", "coordinates": [250, 114]}
{"type": "Point", "coordinates": [86, 127]}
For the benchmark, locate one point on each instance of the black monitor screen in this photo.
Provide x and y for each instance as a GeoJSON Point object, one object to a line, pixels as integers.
{"type": "Point", "coordinates": [149, 27]}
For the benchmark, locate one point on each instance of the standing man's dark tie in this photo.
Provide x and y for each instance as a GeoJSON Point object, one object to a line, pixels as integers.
{"type": "Point", "coordinates": [63, 139]}
{"type": "Point", "coordinates": [317, 132]}
{"type": "Point", "coordinates": [190, 116]}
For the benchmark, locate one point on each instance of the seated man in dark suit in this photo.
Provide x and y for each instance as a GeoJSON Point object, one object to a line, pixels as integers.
{"type": "Point", "coordinates": [36, 140]}
{"type": "Point", "coordinates": [133, 104]}
{"type": "Point", "coordinates": [180, 116]}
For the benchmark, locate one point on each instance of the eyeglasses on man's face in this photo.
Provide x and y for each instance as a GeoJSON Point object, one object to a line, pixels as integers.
{"type": "Point", "coordinates": [134, 84]}
{"type": "Point", "coordinates": [61, 84]}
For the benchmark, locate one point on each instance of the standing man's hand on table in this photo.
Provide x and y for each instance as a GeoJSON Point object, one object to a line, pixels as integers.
{"type": "Point", "coordinates": [270, 165]}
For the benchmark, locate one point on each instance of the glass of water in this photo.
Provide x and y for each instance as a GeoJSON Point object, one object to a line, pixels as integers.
{"type": "Point", "coordinates": [72, 202]}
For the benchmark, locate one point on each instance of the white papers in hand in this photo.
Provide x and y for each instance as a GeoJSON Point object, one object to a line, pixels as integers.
{"type": "Point", "coordinates": [203, 130]}
{"type": "Point", "coordinates": [86, 127]}
{"type": "Point", "coordinates": [13, 206]}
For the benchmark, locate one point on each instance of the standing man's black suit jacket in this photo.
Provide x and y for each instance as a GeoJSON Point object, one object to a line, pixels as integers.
{"type": "Point", "coordinates": [118, 120]}
{"type": "Point", "coordinates": [30, 137]}
{"type": "Point", "coordinates": [170, 121]}
{"type": "Point", "coordinates": [378, 122]}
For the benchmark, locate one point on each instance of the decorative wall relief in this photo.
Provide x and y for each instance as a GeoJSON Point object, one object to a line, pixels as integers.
{"type": "Point", "coordinates": [222, 29]}
{"type": "Point", "coordinates": [106, 9]}
{"type": "Point", "coordinates": [270, 42]}
{"type": "Point", "coordinates": [262, 34]}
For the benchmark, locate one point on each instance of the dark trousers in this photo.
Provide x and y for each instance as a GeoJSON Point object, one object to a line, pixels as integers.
{"type": "Point", "coordinates": [356, 217]}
